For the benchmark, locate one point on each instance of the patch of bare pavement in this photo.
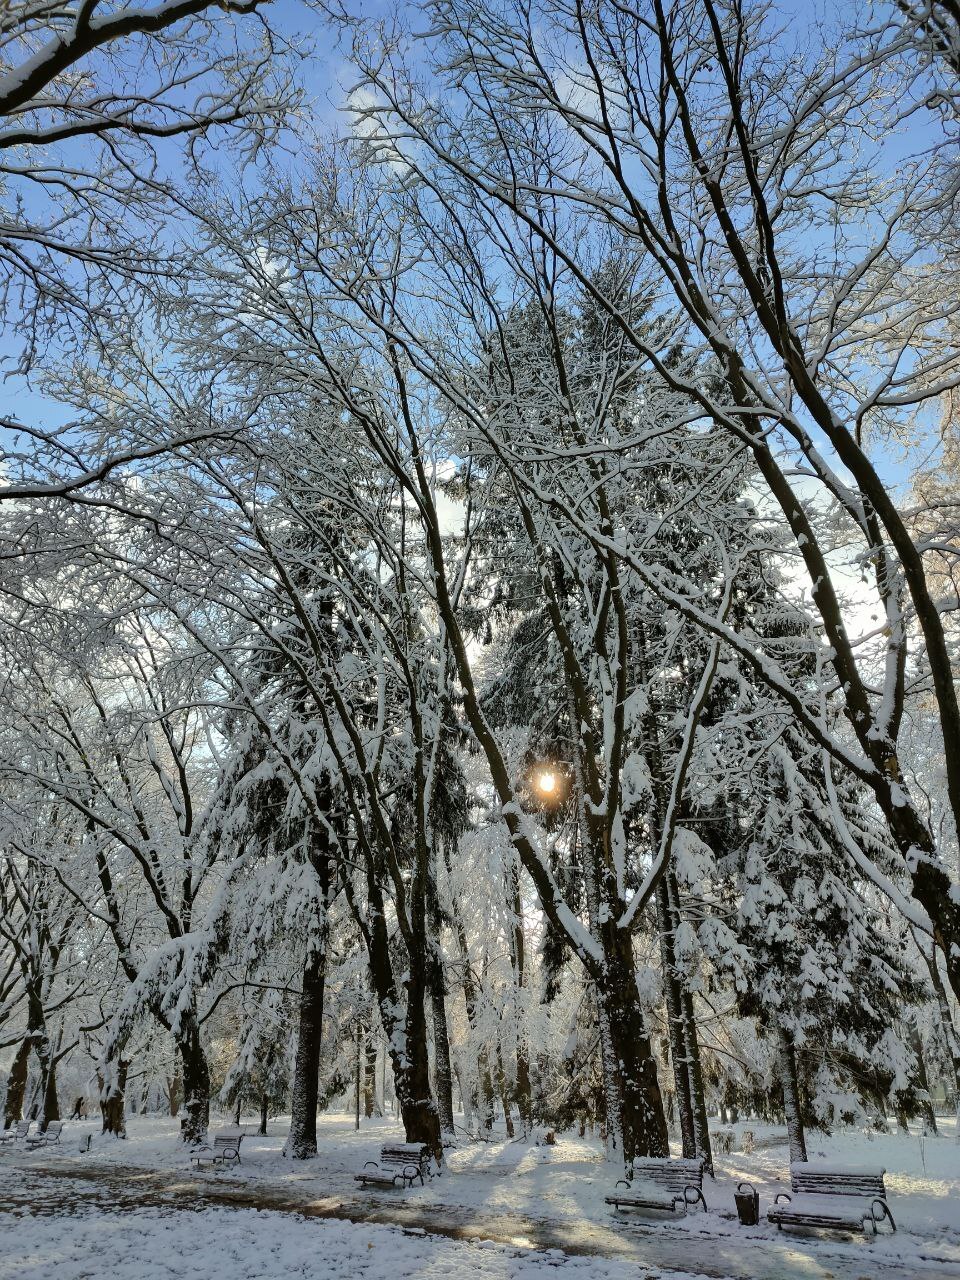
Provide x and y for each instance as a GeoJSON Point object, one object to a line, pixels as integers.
{"type": "Point", "coordinates": [745, 1256]}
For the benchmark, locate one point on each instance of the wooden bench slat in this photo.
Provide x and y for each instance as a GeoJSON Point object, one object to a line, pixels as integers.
{"type": "Point", "coordinates": [661, 1184]}
{"type": "Point", "coordinates": [840, 1196]}
{"type": "Point", "coordinates": [225, 1149]}
{"type": "Point", "coordinates": [400, 1164]}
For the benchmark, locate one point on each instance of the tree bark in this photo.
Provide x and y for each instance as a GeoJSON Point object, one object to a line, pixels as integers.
{"type": "Point", "coordinates": [411, 1072]}
{"type": "Point", "coordinates": [17, 1083]}
{"type": "Point", "coordinates": [196, 1082]}
{"type": "Point", "coordinates": [522, 1090]}
{"type": "Point", "coordinates": [691, 1043]}
{"type": "Point", "coordinates": [643, 1124]}
{"type": "Point", "coordinates": [112, 1100]}
{"type": "Point", "coordinates": [174, 1092]}
{"type": "Point", "coordinates": [443, 1074]}
{"type": "Point", "coordinates": [504, 1091]}
{"type": "Point", "coordinates": [675, 1022]}
{"type": "Point", "coordinates": [264, 1113]}
{"type": "Point", "coordinates": [791, 1095]}
{"type": "Point", "coordinates": [927, 1117]}
{"type": "Point", "coordinates": [302, 1141]}
{"type": "Point", "coordinates": [947, 1029]}
{"type": "Point", "coordinates": [370, 1077]}
{"type": "Point", "coordinates": [51, 1100]}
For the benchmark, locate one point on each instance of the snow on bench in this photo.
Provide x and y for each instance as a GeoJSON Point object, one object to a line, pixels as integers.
{"type": "Point", "coordinates": [832, 1195]}
{"type": "Point", "coordinates": [17, 1133]}
{"type": "Point", "coordinates": [661, 1184]}
{"type": "Point", "coordinates": [399, 1165]}
{"type": "Point", "coordinates": [225, 1150]}
{"type": "Point", "coordinates": [48, 1137]}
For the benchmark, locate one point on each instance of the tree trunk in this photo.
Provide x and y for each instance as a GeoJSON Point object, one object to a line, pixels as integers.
{"type": "Point", "coordinates": [112, 1099]}
{"type": "Point", "coordinates": [51, 1101]}
{"type": "Point", "coordinates": [948, 1030]}
{"type": "Point", "coordinates": [504, 1095]}
{"type": "Point", "coordinates": [522, 1091]}
{"type": "Point", "coordinates": [443, 1074]}
{"type": "Point", "coordinates": [196, 1082]}
{"type": "Point", "coordinates": [264, 1111]}
{"type": "Point", "coordinates": [174, 1092]}
{"type": "Point", "coordinates": [642, 1120]}
{"type": "Point", "coordinates": [411, 1071]}
{"type": "Point", "coordinates": [370, 1107]}
{"type": "Point", "coordinates": [17, 1083]}
{"type": "Point", "coordinates": [701, 1128]}
{"type": "Point", "coordinates": [791, 1095]}
{"type": "Point", "coordinates": [691, 1043]}
{"type": "Point", "coordinates": [301, 1143]}
{"type": "Point", "coordinates": [675, 1021]}
{"type": "Point", "coordinates": [927, 1117]}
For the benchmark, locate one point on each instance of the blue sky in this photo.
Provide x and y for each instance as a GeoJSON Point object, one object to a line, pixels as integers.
{"type": "Point", "coordinates": [323, 75]}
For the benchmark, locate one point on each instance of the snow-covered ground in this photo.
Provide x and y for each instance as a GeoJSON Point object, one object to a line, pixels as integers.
{"type": "Point", "coordinates": [249, 1244]}
{"type": "Point", "coordinates": [103, 1219]}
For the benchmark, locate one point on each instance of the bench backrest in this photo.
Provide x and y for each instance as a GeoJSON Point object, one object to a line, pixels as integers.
{"type": "Point", "coordinates": [837, 1180]}
{"type": "Point", "coordinates": [399, 1154]}
{"type": "Point", "coordinates": [230, 1141]}
{"type": "Point", "coordinates": [23, 1128]}
{"type": "Point", "coordinates": [53, 1129]}
{"type": "Point", "coordinates": [672, 1175]}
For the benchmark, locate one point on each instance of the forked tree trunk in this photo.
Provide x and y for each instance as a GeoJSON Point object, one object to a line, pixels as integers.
{"type": "Point", "coordinates": [790, 1081]}
{"type": "Point", "coordinates": [406, 1039]}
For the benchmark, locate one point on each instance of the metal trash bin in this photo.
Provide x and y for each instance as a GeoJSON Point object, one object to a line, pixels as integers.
{"type": "Point", "coordinates": [748, 1204]}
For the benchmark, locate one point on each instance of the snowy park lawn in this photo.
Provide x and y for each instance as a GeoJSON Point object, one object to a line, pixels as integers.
{"type": "Point", "coordinates": [247, 1244]}
{"type": "Point", "coordinates": [505, 1188]}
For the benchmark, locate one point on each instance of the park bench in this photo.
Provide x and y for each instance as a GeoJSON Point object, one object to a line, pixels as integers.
{"type": "Point", "coordinates": [838, 1196]}
{"type": "Point", "coordinates": [17, 1133]}
{"type": "Point", "coordinates": [400, 1164]}
{"type": "Point", "coordinates": [49, 1137]}
{"type": "Point", "coordinates": [224, 1150]}
{"type": "Point", "coordinates": [661, 1184]}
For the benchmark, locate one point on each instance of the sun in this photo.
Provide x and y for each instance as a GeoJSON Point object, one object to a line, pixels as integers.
{"type": "Point", "coordinates": [547, 782]}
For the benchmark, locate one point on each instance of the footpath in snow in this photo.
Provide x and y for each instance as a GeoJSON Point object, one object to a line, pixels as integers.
{"type": "Point", "coordinates": [134, 1209]}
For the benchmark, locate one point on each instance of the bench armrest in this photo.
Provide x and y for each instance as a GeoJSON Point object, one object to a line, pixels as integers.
{"type": "Point", "coordinates": [623, 1182]}
{"type": "Point", "coordinates": [884, 1212]}
{"type": "Point", "coordinates": [696, 1193]}
{"type": "Point", "coordinates": [785, 1194]}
